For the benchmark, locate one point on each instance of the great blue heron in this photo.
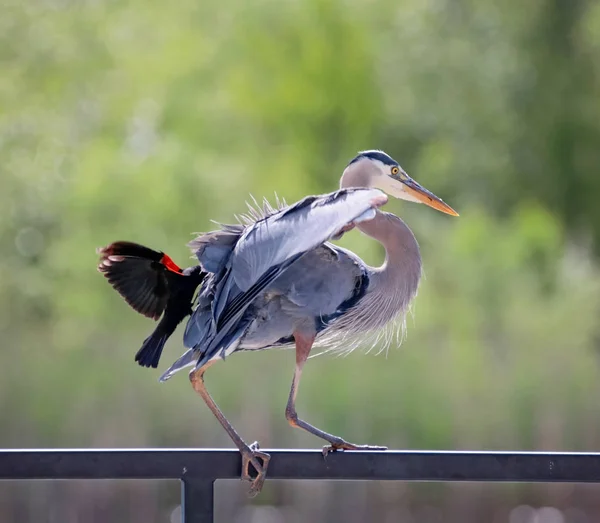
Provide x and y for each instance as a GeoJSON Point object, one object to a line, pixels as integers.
{"type": "Point", "coordinates": [274, 280]}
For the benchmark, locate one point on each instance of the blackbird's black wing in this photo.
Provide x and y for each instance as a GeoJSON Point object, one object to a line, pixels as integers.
{"type": "Point", "coordinates": [139, 274]}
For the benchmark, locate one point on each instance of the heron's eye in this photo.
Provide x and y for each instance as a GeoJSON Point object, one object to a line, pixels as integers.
{"type": "Point", "coordinates": [395, 170]}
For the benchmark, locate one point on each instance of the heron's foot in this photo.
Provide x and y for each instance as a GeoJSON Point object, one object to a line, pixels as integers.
{"type": "Point", "coordinates": [260, 462]}
{"type": "Point", "coordinates": [340, 444]}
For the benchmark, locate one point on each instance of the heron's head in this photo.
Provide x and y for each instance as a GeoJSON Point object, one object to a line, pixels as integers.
{"type": "Point", "coordinates": [379, 170]}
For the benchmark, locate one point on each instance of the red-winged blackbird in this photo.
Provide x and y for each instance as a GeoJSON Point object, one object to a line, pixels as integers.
{"type": "Point", "coordinates": [153, 285]}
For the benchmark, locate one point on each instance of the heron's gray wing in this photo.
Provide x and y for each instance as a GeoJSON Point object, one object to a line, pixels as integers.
{"type": "Point", "coordinates": [281, 237]}
{"type": "Point", "coordinates": [271, 245]}
{"type": "Point", "coordinates": [263, 252]}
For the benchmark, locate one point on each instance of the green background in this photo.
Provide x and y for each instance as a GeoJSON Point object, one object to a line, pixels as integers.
{"type": "Point", "coordinates": [144, 120]}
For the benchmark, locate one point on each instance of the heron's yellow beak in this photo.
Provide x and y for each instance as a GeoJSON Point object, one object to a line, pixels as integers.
{"type": "Point", "coordinates": [419, 194]}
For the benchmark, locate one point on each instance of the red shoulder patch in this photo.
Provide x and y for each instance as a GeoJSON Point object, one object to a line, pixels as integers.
{"type": "Point", "coordinates": [170, 264]}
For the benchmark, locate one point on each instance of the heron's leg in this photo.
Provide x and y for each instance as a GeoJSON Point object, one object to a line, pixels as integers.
{"type": "Point", "coordinates": [250, 454]}
{"type": "Point", "coordinates": [303, 346]}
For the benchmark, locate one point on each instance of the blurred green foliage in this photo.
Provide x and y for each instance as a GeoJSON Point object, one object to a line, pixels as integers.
{"type": "Point", "coordinates": [144, 120]}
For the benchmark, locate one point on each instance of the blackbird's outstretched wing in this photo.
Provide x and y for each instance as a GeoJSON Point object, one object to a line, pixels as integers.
{"type": "Point", "coordinates": [139, 274]}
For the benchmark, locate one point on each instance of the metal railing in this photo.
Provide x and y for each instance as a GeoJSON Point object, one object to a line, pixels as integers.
{"type": "Point", "coordinates": [199, 469]}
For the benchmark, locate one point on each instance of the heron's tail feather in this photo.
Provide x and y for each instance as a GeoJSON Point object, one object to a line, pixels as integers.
{"type": "Point", "coordinates": [188, 359]}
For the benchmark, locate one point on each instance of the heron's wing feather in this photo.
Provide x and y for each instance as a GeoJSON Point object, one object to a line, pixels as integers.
{"type": "Point", "coordinates": [213, 248]}
{"type": "Point", "coordinates": [294, 230]}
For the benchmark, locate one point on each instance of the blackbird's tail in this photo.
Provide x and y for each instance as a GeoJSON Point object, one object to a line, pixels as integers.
{"type": "Point", "coordinates": [151, 350]}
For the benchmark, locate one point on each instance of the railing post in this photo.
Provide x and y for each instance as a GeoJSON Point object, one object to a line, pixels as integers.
{"type": "Point", "coordinates": [197, 500]}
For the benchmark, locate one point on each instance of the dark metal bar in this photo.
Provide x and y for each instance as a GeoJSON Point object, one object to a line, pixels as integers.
{"type": "Point", "coordinates": [197, 505]}
{"type": "Point", "coordinates": [210, 464]}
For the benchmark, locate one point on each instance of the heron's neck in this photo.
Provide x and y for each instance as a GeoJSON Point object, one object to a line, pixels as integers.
{"type": "Point", "coordinates": [401, 270]}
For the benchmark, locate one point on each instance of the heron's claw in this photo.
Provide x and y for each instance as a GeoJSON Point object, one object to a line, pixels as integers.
{"type": "Point", "coordinates": [344, 445]}
{"type": "Point", "coordinates": [260, 462]}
